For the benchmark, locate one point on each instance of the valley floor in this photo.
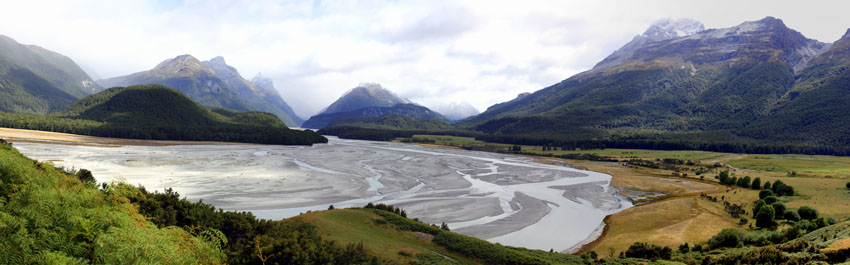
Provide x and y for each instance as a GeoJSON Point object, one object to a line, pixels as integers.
{"type": "Point", "coordinates": [670, 210]}
{"type": "Point", "coordinates": [499, 197]}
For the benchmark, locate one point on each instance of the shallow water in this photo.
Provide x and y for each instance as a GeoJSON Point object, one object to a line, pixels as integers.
{"type": "Point", "coordinates": [502, 198]}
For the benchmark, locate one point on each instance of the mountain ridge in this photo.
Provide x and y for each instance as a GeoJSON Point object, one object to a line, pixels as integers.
{"type": "Point", "coordinates": [719, 83]}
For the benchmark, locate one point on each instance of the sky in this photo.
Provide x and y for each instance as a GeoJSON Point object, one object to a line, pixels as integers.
{"type": "Point", "coordinates": [432, 52]}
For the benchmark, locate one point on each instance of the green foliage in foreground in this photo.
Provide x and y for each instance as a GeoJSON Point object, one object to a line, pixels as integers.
{"type": "Point", "coordinates": [156, 112]}
{"type": "Point", "coordinates": [280, 242]}
{"type": "Point", "coordinates": [50, 217]}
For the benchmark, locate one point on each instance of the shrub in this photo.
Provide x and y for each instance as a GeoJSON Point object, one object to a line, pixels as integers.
{"type": "Point", "coordinates": [831, 221]}
{"type": "Point", "coordinates": [765, 193]}
{"type": "Point", "coordinates": [847, 185]}
{"type": "Point", "coordinates": [791, 215]}
{"type": "Point", "coordinates": [756, 184]}
{"type": "Point", "coordinates": [647, 251]}
{"type": "Point", "coordinates": [765, 216]}
{"type": "Point", "coordinates": [728, 238]}
{"type": "Point", "coordinates": [807, 213]}
{"type": "Point", "coordinates": [779, 208]}
{"type": "Point", "coordinates": [770, 199]}
{"type": "Point", "coordinates": [757, 207]}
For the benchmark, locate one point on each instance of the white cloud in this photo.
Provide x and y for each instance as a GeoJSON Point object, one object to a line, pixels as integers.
{"type": "Point", "coordinates": [481, 52]}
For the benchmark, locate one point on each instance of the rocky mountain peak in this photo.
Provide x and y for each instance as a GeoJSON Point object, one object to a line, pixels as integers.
{"type": "Point", "coordinates": [182, 63]}
{"type": "Point", "coordinates": [365, 95]}
{"type": "Point", "coordinates": [672, 28]}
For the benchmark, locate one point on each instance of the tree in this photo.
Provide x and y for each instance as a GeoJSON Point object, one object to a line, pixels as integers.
{"type": "Point", "coordinates": [786, 190]}
{"type": "Point", "coordinates": [792, 215]}
{"type": "Point", "coordinates": [777, 186]}
{"type": "Point", "coordinates": [331, 207]}
{"type": "Point", "coordinates": [770, 199]}
{"type": "Point", "coordinates": [779, 208]}
{"type": "Point", "coordinates": [807, 213]}
{"type": "Point", "coordinates": [766, 185]}
{"type": "Point", "coordinates": [756, 184]}
{"type": "Point", "coordinates": [765, 193]}
{"type": "Point", "coordinates": [847, 185]}
{"type": "Point", "coordinates": [727, 238]}
{"type": "Point", "coordinates": [744, 182]}
{"type": "Point", "coordinates": [765, 217]}
{"type": "Point", "coordinates": [445, 227]}
{"type": "Point", "coordinates": [758, 207]}
{"type": "Point", "coordinates": [723, 176]}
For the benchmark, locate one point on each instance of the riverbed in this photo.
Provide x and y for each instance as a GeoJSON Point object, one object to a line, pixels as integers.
{"type": "Point", "coordinates": [501, 198]}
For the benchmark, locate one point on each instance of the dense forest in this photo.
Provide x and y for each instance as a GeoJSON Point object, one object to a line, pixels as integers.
{"type": "Point", "coordinates": [156, 112]}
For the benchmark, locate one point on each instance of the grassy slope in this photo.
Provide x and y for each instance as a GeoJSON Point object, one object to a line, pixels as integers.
{"type": "Point", "coordinates": [50, 217]}
{"type": "Point", "coordinates": [352, 226]}
{"type": "Point", "coordinates": [386, 235]}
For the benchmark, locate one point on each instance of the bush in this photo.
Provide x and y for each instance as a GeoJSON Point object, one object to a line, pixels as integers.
{"type": "Point", "coordinates": [757, 207]}
{"type": "Point", "coordinates": [847, 185]}
{"type": "Point", "coordinates": [770, 199]}
{"type": "Point", "coordinates": [791, 215]}
{"type": "Point", "coordinates": [765, 216]}
{"type": "Point", "coordinates": [765, 193]}
{"type": "Point", "coordinates": [756, 184]}
{"type": "Point", "coordinates": [779, 208]}
{"type": "Point", "coordinates": [727, 238]}
{"type": "Point", "coordinates": [643, 250]}
{"type": "Point", "coordinates": [766, 185]}
{"type": "Point", "coordinates": [807, 213]}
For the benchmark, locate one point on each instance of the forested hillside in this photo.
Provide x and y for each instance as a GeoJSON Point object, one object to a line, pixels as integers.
{"type": "Point", "coordinates": [36, 80]}
{"type": "Point", "coordinates": [160, 113]}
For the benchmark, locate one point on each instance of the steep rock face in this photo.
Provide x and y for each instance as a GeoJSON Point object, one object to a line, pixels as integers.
{"type": "Point", "coordinates": [265, 99]}
{"type": "Point", "coordinates": [188, 75]}
{"type": "Point", "coordinates": [271, 95]}
{"type": "Point", "coordinates": [365, 95]}
{"type": "Point", "coordinates": [672, 80]}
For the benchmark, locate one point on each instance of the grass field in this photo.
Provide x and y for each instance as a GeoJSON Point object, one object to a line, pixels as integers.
{"type": "Point", "coordinates": [802, 164]}
{"type": "Point", "coordinates": [611, 152]}
{"type": "Point", "coordinates": [382, 240]}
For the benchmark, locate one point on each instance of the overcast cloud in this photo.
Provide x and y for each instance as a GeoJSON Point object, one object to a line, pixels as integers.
{"type": "Point", "coordinates": [432, 51]}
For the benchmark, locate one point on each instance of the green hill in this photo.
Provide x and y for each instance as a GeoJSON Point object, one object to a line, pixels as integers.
{"type": "Point", "coordinates": [161, 113]}
{"type": "Point", "coordinates": [23, 91]}
{"type": "Point", "coordinates": [53, 67]}
{"type": "Point", "coordinates": [36, 80]}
